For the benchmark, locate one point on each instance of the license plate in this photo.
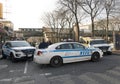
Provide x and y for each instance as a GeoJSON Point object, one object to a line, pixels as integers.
{"type": "Point", "coordinates": [104, 50]}
{"type": "Point", "coordinates": [29, 55]}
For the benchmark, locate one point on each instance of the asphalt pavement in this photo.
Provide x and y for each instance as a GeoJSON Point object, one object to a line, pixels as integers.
{"type": "Point", "coordinates": [0, 53]}
{"type": "Point", "coordinates": [106, 71]}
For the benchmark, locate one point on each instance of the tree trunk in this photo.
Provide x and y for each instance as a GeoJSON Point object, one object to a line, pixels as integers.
{"type": "Point", "coordinates": [77, 30]}
{"type": "Point", "coordinates": [107, 27]}
{"type": "Point", "coordinates": [93, 33]}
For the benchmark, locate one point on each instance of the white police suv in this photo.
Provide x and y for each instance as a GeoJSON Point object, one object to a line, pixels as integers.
{"type": "Point", "coordinates": [66, 52]}
{"type": "Point", "coordinates": [17, 50]}
{"type": "Point", "coordinates": [101, 44]}
{"type": "Point", "coordinates": [97, 43]}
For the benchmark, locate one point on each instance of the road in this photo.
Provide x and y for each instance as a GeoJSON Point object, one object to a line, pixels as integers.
{"type": "Point", "coordinates": [106, 71]}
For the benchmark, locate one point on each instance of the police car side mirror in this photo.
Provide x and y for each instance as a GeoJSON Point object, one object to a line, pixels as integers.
{"type": "Point", "coordinates": [7, 46]}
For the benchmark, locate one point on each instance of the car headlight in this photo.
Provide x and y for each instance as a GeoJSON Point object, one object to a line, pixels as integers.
{"type": "Point", "coordinates": [110, 48]}
{"type": "Point", "coordinates": [100, 50]}
{"type": "Point", "coordinates": [17, 50]}
{"type": "Point", "coordinates": [97, 49]}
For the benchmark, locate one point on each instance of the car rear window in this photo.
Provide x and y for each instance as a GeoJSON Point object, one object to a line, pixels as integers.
{"type": "Point", "coordinates": [20, 44]}
{"type": "Point", "coordinates": [97, 42]}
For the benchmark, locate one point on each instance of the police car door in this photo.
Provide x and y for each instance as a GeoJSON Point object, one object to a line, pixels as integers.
{"type": "Point", "coordinates": [6, 48]}
{"type": "Point", "coordinates": [84, 53]}
{"type": "Point", "coordinates": [67, 52]}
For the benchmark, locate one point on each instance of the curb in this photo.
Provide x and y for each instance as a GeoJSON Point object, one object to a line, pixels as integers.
{"type": "Point", "coordinates": [117, 52]}
{"type": "Point", "coordinates": [0, 56]}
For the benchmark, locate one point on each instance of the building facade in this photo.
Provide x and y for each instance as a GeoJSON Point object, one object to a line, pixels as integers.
{"type": "Point", "coordinates": [1, 11]}
{"type": "Point", "coordinates": [57, 34]}
{"type": "Point", "coordinates": [30, 29]}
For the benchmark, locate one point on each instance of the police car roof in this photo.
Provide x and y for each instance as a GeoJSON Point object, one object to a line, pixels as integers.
{"type": "Point", "coordinates": [64, 43]}
{"type": "Point", "coordinates": [97, 39]}
{"type": "Point", "coordinates": [59, 43]}
{"type": "Point", "coordinates": [17, 41]}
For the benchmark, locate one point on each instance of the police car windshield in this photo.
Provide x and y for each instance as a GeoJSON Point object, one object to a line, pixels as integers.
{"type": "Point", "coordinates": [97, 42]}
{"type": "Point", "coordinates": [20, 44]}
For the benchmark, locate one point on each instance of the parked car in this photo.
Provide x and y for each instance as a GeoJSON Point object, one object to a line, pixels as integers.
{"type": "Point", "coordinates": [17, 50]}
{"type": "Point", "coordinates": [98, 43]}
{"type": "Point", "coordinates": [66, 52]}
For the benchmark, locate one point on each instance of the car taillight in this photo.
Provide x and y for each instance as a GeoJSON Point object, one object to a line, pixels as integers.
{"type": "Point", "coordinates": [39, 53]}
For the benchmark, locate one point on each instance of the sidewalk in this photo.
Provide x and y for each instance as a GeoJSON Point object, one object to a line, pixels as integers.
{"type": "Point", "coordinates": [116, 52]}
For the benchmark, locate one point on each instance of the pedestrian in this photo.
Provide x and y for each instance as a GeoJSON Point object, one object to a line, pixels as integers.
{"type": "Point", "coordinates": [43, 44]}
{"type": "Point", "coordinates": [49, 42]}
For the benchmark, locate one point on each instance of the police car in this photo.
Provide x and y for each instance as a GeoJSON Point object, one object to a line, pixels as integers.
{"type": "Point", "coordinates": [17, 50]}
{"type": "Point", "coordinates": [101, 44]}
{"type": "Point", "coordinates": [66, 52]}
{"type": "Point", "coordinates": [97, 43]}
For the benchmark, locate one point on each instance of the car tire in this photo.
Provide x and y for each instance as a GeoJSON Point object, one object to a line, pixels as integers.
{"type": "Point", "coordinates": [13, 59]}
{"type": "Point", "coordinates": [109, 53]}
{"type": "Point", "coordinates": [95, 57]}
{"type": "Point", "coordinates": [3, 55]}
{"type": "Point", "coordinates": [31, 58]}
{"type": "Point", "coordinates": [56, 61]}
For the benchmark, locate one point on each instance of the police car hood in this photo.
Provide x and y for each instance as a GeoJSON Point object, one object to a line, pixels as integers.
{"type": "Point", "coordinates": [22, 48]}
{"type": "Point", "coordinates": [44, 50]}
{"type": "Point", "coordinates": [100, 45]}
{"type": "Point", "coordinates": [93, 49]}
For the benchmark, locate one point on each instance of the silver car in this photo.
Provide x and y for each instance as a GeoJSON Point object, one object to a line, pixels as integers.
{"type": "Point", "coordinates": [17, 50]}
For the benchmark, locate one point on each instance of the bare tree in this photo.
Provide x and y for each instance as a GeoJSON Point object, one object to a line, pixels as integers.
{"type": "Point", "coordinates": [51, 22]}
{"type": "Point", "coordinates": [61, 19]}
{"type": "Point", "coordinates": [68, 17]}
{"type": "Point", "coordinates": [70, 21]}
{"type": "Point", "coordinates": [114, 26]}
{"type": "Point", "coordinates": [101, 25]}
{"type": "Point", "coordinates": [72, 5]}
{"type": "Point", "coordinates": [115, 11]}
{"type": "Point", "coordinates": [93, 8]}
{"type": "Point", "coordinates": [56, 21]}
{"type": "Point", "coordinates": [108, 5]}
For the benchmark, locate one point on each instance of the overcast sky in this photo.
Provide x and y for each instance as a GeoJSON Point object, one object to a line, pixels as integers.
{"type": "Point", "coordinates": [27, 13]}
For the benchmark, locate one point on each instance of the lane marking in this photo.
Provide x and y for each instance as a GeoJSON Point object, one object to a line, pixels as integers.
{"type": "Point", "coordinates": [23, 78]}
{"type": "Point", "coordinates": [11, 71]}
{"type": "Point", "coordinates": [27, 82]}
{"type": "Point", "coordinates": [46, 74]}
{"type": "Point", "coordinates": [26, 66]}
{"type": "Point", "coordinates": [6, 80]}
{"type": "Point", "coordinates": [110, 79]}
{"type": "Point", "coordinates": [0, 56]}
{"type": "Point", "coordinates": [88, 79]}
{"type": "Point", "coordinates": [3, 66]}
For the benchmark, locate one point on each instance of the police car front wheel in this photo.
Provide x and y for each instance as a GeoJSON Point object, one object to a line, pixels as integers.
{"type": "Point", "coordinates": [3, 55]}
{"type": "Point", "coordinates": [13, 59]}
{"type": "Point", "coordinates": [56, 61]}
{"type": "Point", "coordinates": [95, 57]}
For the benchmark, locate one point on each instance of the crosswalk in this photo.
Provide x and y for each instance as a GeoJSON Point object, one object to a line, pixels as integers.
{"type": "Point", "coordinates": [18, 80]}
{"type": "Point", "coordinates": [35, 79]}
{"type": "Point", "coordinates": [109, 77]}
